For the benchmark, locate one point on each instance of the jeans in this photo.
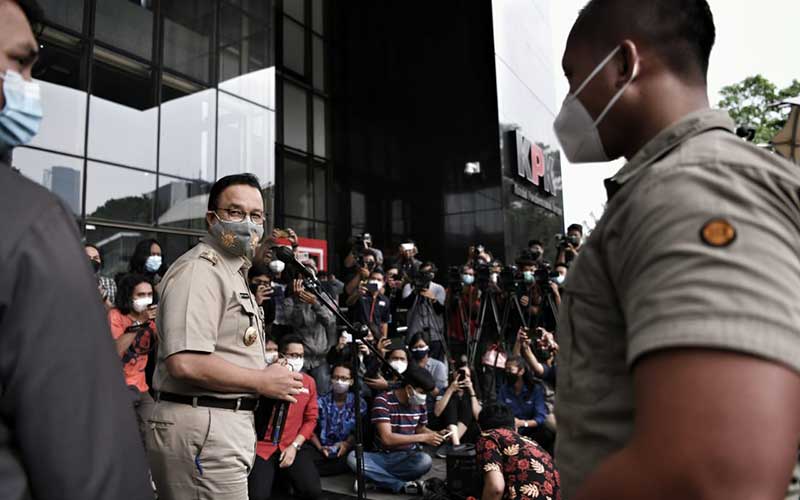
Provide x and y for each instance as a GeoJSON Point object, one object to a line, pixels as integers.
{"type": "Point", "coordinates": [391, 470]}
{"type": "Point", "coordinates": [322, 376]}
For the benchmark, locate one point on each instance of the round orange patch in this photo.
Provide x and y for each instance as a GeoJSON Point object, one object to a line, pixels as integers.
{"type": "Point", "coordinates": [718, 233]}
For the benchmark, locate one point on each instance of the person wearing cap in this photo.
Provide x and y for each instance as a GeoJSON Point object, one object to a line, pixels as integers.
{"type": "Point", "coordinates": [211, 365]}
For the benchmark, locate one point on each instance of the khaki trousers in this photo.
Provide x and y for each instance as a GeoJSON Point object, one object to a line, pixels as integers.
{"type": "Point", "coordinates": [200, 453]}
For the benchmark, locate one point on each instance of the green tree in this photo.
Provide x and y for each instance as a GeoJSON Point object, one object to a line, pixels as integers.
{"type": "Point", "coordinates": [748, 103]}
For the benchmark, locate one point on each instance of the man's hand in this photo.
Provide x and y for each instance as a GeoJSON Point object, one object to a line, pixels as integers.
{"type": "Point", "coordinates": [432, 438]}
{"type": "Point", "coordinates": [152, 312]}
{"type": "Point", "coordinates": [287, 457]}
{"type": "Point", "coordinates": [278, 382]}
{"type": "Point", "coordinates": [325, 452]}
{"type": "Point", "coordinates": [466, 385]}
{"type": "Point", "coordinates": [383, 345]}
{"type": "Point", "coordinates": [518, 423]}
{"type": "Point", "coordinates": [344, 447]}
{"type": "Point", "coordinates": [292, 236]}
{"type": "Point", "coordinates": [524, 301]}
{"type": "Point", "coordinates": [379, 383]}
{"type": "Point", "coordinates": [427, 294]}
{"type": "Point", "coordinates": [301, 293]}
{"type": "Point", "coordinates": [263, 294]}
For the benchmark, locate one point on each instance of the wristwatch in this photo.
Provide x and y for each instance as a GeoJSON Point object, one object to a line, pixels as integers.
{"type": "Point", "coordinates": [296, 446]}
{"type": "Point", "coordinates": [524, 423]}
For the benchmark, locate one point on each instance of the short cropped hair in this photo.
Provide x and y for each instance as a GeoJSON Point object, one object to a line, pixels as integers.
{"type": "Point", "coordinates": [575, 227]}
{"type": "Point", "coordinates": [682, 32]}
{"type": "Point", "coordinates": [225, 182]}
{"type": "Point", "coordinates": [289, 338]}
{"type": "Point", "coordinates": [418, 377]}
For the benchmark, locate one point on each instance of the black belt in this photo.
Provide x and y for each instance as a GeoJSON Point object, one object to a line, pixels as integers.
{"type": "Point", "coordinates": [244, 404]}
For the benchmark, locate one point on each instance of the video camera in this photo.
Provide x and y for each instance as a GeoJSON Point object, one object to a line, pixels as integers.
{"type": "Point", "coordinates": [454, 278]}
{"type": "Point", "coordinates": [562, 240]}
{"type": "Point", "coordinates": [544, 275]}
{"type": "Point", "coordinates": [422, 280]}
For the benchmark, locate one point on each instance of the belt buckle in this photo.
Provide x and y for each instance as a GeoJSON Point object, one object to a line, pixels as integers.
{"type": "Point", "coordinates": [238, 404]}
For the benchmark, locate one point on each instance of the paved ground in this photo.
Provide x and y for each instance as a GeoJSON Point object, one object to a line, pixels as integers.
{"type": "Point", "coordinates": [341, 487]}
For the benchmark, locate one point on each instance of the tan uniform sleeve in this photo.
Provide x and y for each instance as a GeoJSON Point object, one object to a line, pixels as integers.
{"type": "Point", "coordinates": [677, 290]}
{"type": "Point", "coordinates": [192, 307]}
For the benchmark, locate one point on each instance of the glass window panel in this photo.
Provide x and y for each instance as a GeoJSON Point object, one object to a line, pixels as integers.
{"type": "Point", "coordinates": [187, 36]}
{"type": "Point", "coordinates": [294, 47]}
{"type": "Point", "coordinates": [120, 194]}
{"type": "Point", "coordinates": [245, 43]}
{"type": "Point", "coordinates": [296, 192]}
{"type": "Point", "coordinates": [320, 185]}
{"type": "Point", "coordinates": [318, 56]}
{"type": "Point", "coordinates": [122, 114]}
{"type": "Point", "coordinates": [67, 13]}
{"type": "Point", "coordinates": [358, 208]}
{"type": "Point", "coordinates": [320, 148]}
{"type": "Point", "coordinates": [182, 203]}
{"type": "Point", "coordinates": [64, 125]}
{"type": "Point", "coordinates": [295, 121]}
{"type": "Point", "coordinates": [117, 246]}
{"type": "Point", "coordinates": [296, 9]}
{"type": "Point", "coordinates": [63, 175]}
{"type": "Point", "coordinates": [135, 34]}
{"type": "Point", "coordinates": [188, 123]}
{"type": "Point", "coordinates": [258, 86]}
{"type": "Point", "coordinates": [317, 16]}
{"type": "Point", "coordinates": [246, 139]}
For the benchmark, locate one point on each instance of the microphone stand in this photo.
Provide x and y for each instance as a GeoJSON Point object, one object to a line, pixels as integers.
{"type": "Point", "coordinates": [358, 331]}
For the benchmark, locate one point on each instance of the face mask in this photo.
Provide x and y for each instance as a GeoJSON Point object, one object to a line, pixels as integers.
{"type": "Point", "coordinates": [152, 264]}
{"type": "Point", "coordinates": [419, 352]}
{"type": "Point", "coordinates": [560, 279]}
{"type": "Point", "coordinates": [22, 115]}
{"type": "Point", "coordinates": [95, 266]}
{"type": "Point", "coordinates": [528, 276]}
{"type": "Point", "coordinates": [493, 277]}
{"type": "Point", "coordinates": [238, 238]}
{"type": "Point", "coordinates": [270, 357]}
{"type": "Point", "coordinates": [296, 364]}
{"type": "Point", "coordinates": [468, 279]}
{"type": "Point", "coordinates": [140, 305]}
{"type": "Point", "coordinates": [399, 365]}
{"type": "Point", "coordinates": [576, 130]}
{"type": "Point", "coordinates": [417, 399]}
{"type": "Point", "coordinates": [277, 266]}
{"type": "Point", "coordinates": [340, 387]}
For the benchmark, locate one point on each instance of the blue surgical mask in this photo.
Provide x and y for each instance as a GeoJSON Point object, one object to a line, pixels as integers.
{"type": "Point", "coordinates": [22, 114]}
{"type": "Point", "coordinates": [529, 276]}
{"type": "Point", "coordinates": [419, 352]}
{"type": "Point", "coordinates": [468, 279]}
{"type": "Point", "coordinates": [238, 238]}
{"type": "Point", "coordinates": [152, 264]}
{"type": "Point", "coordinates": [559, 280]}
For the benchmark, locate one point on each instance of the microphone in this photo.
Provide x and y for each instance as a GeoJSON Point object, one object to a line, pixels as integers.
{"type": "Point", "coordinates": [286, 255]}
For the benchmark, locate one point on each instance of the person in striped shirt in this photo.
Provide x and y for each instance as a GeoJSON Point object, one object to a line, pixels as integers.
{"type": "Point", "coordinates": [400, 418]}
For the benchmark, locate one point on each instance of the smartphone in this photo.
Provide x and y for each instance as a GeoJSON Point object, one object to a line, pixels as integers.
{"type": "Point", "coordinates": [348, 337]}
{"type": "Point", "coordinates": [461, 375]}
{"type": "Point", "coordinates": [372, 287]}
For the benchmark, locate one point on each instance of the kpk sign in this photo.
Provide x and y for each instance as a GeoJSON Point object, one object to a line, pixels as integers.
{"type": "Point", "coordinates": [534, 164]}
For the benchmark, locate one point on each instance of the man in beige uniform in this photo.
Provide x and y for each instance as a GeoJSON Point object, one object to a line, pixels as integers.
{"type": "Point", "coordinates": [211, 367]}
{"type": "Point", "coordinates": [680, 326]}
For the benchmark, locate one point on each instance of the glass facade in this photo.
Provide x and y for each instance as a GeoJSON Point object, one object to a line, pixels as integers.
{"type": "Point", "coordinates": [147, 102]}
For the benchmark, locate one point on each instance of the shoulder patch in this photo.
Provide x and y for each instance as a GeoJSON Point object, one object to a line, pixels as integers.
{"type": "Point", "coordinates": [718, 232]}
{"type": "Point", "coordinates": [210, 256]}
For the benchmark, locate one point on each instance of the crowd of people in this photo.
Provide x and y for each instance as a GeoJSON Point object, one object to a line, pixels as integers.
{"type": "Point", "coordinates": [439, 371]}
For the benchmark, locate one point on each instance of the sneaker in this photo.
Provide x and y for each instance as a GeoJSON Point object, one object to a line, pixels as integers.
{"type": "Point", "coordinates": [414, 488]}
{"type": "Point", "coordinates": [368, 486]}
{"type": "Point", "coordinates": [443, 450]}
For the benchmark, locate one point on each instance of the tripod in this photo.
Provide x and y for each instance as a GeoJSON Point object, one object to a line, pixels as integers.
{"type": "Point", "coordinates": [488, 306]}
{"type": "Point", "coordinates": [358, 332]}
{"type": "Point", "coordinates": [512, 303]}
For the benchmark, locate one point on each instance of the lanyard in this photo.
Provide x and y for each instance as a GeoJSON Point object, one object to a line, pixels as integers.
{"type": "Point", "coordinates": [372, 310]}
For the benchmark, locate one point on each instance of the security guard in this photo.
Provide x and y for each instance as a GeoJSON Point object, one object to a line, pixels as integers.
{"type": "Point", "coordinates": [211, 362]}
{"type": "Point", "coordinates": [680, 329]}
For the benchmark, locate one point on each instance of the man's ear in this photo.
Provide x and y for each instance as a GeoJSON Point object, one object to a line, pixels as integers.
{"type": "Point", "coordinates": [627, 63]}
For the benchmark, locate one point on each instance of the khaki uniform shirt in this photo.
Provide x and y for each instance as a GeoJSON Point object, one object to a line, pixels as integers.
{"type": "Point", "coordinates": [658, 273]}
{"type": "Point", "coordinates": [206, 306]}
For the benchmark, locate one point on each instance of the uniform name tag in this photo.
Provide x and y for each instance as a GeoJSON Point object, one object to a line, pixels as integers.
{"type": "Point", "coordinates": [244, 295]}
{"type": "Point", "coordinates": [382, 304]}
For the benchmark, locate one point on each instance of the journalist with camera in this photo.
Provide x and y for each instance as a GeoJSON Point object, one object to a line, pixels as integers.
{"type": "Point", "coordinates": [425, 300]}
{"type": "Point", "coordinates": [570, 244]}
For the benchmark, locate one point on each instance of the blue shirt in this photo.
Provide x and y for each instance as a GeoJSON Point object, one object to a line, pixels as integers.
{"type": "Point", "coordinates": [528, 404]}
{"type": "Point", "coordinates": [336, 424]}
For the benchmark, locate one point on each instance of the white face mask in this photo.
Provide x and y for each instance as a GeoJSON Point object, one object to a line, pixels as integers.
{"type": "Point", "coordinates": [560, 279]}
{"type": "Point", "coordinates": [296, 364]}
{"type": "Point", "coordinates": [399, 365]}
{"type": "Point", "coordinates": [270, 357]}
{"type": "Point", "coordinates": [417, 399]}
{"type": "Point", "coordinates": [141, 304]}
{"type": "Point", "coordinates": [340, 387]}
{"type": "Point", "coordinates": [277, 266]}
{"type": "Point", "coordinates": [576, 130]}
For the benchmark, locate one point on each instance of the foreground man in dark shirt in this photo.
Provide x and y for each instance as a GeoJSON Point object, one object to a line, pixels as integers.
{"type": "Point", "coordinates": [680, 351]}
{"type": "Point", "coordinates": [67, 427]}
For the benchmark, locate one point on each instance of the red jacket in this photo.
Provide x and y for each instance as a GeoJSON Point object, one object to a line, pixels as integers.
{"type": "Point", "coordinates": [301, 420]}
